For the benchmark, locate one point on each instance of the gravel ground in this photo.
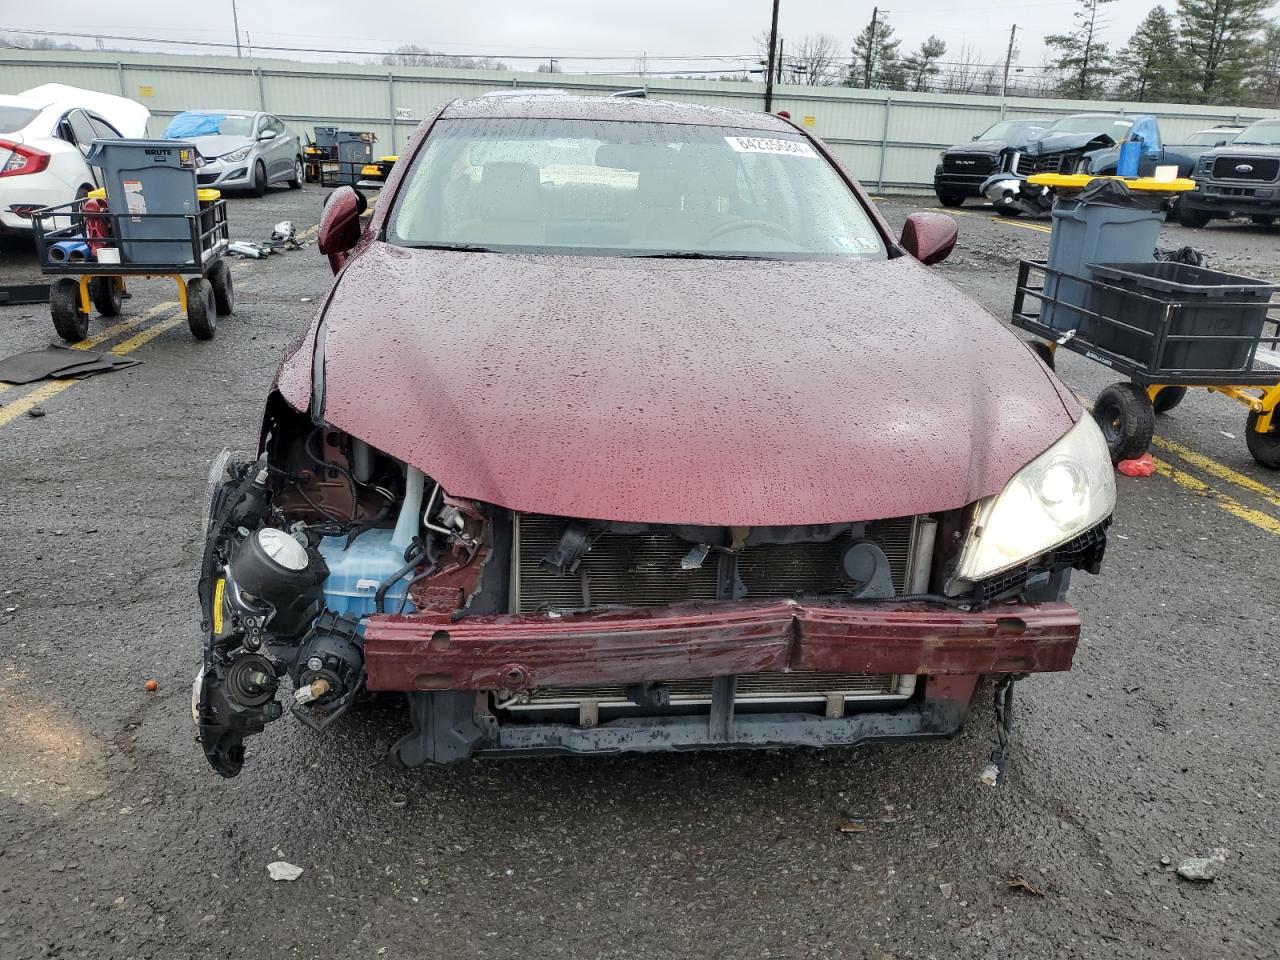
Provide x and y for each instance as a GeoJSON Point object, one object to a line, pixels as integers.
{"type": "Point", "coordinates": [116, 840]}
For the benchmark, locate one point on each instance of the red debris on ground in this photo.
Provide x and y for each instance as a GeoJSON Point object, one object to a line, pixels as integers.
{"type": "Point", "coordinates": [1142, 466]}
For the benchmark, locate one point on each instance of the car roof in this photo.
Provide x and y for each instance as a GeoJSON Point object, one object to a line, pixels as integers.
{"type": "Point", "coordinates": [628, 109]}
{"type": "Point", "coordinates": [31, 103]}
{"type": "Point", "coordinates": [214, 111]}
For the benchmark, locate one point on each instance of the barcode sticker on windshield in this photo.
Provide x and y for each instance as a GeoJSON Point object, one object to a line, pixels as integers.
{"type": "Point", "coordinates": [776, 145]}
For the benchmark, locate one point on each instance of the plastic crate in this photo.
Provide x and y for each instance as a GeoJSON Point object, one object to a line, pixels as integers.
{"type": "Point", "coordinates": [1198, 302]}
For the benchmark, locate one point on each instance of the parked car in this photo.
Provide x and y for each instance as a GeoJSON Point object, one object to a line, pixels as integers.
{"type": "Point", "coordinates": [1081, 143]}
{"type": "Point", "coordinates": [1241, 179]}
{"type": "Point", "coordinates": [242, 149]}
{"type": "Point", "coordinates": [629, 426]}
{"type": "Point", "coordinates": [963, 169]}
{"type": "Point", "coordinates": [1218, 136]}
{"type": "Point", "coordinates": [45, 134]}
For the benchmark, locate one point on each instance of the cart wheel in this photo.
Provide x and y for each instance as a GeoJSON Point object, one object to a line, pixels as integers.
{"type": "Point", "coordinates": [107, 294]}
{"type": "Point", "coordinates": [298, 176]}
{"type": "Point", "coordinates": [1265, 447]}
{"type": "Point", "coordinates": [259, 180]}
{"type": "Point", "coordinates": [202, 313]}
{"type": "Point", "coordinates": [71, 322]}
{"type": "Point", "coordinates": [1168, 398]}
{"type": "Point", "coordinates": [1042, 350]}
{"type": "Point", "coordinates": [1127, 420]}
{"type": "Point", "coordinates": [224, 294]}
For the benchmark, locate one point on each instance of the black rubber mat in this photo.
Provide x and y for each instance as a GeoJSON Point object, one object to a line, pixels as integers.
{"type": "Point", "coordinates": [58, 361]}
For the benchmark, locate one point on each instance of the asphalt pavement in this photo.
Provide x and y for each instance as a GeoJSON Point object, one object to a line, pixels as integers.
{"type": "Point", "coordinates": [118, 841]}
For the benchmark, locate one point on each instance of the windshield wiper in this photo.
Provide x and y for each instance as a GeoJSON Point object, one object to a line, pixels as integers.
{"type": "Point", "coordinates": [697, 255]}
{"type": "Point", "coordinates": [462, 247]}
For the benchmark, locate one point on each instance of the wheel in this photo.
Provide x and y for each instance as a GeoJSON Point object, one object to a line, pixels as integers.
{"type": "Point", "coordinates": [298, 174]}
{"type": "Point", "coordinates": [202, 312]}
{"type": "Point", "coordinates": [1043, 351]}
{"type": "Point", "coordinates": [71, 322]}
{"type": "Point", "coordinates": [107, 294]}
{"type": "Point", "coordinates": [1127, 420]}
{"type": "Point", "coordinates": [1263, 220]}
{"type": "Point", "coordinates": [1007, 211]}
{"type": "Point", "coordinates": [224, 294]}
{"type": "Point", "coordinates": [259, 180]}
{"type": "Point", "coordinates": [1168, 398]}
{"type": "Point", "coordinates": [1189, 216]}
{"type": "Point", "coordinates": [1265, 447]}
{"type": "Point", "coordinates": [950, 199]}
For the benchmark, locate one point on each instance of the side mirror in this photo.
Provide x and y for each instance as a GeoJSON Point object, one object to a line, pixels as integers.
{"type": "Point", "coordinates": [929, 237]}
{"type": "Point", "coordinates": [267, 135]}
{"type": "Point", "coordinates": [340, 225]}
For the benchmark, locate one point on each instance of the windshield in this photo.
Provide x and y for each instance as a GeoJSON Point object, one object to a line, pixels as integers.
{"type": "Point", "coordinates": [199, 124]}
{"type": "Point", "coordinates": [13, 119]}
{"type": "Point", "coordinates": [1008, 130]}
{"type": "Point", "coordinates": [1209, 138]}
{"type": "Point", "coordinates": [1263, 133]}
{"type": "Point", "coordinates": [1114, 127]}
{"type": "Point", "coordinates": [629, 189]}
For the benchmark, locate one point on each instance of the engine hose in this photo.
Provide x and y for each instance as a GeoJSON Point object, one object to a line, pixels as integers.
{"type": "Point", "coordinates": [429, 572]}
{"type": "Point", "coordinates": [415, 553]}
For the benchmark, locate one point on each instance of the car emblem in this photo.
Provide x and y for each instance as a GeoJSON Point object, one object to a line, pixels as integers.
{"type": "Point", "coordinates": [1244, 168]}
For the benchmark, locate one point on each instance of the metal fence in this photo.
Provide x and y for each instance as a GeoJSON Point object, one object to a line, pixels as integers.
{"type": "Point", "coordinates": [890, 139]}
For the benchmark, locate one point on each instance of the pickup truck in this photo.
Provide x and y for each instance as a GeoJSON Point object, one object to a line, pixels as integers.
{"type": "Point", "coordinates": [963, 168]}
{"type": "Point", "coordinates": [1239, 179]}
{"type": "Point", "coordinates": [1081, 143]}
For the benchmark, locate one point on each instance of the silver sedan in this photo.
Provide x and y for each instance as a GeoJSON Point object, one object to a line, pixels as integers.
{"type": "Point", "coordinates": [242, 149]}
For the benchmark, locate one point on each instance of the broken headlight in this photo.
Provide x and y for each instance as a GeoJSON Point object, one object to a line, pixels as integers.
{"type": "Point", "coordinates": [1063, 492]}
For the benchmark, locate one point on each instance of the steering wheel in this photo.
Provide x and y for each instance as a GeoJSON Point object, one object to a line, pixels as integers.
{"type": "Point", "coordinates": [735, 226]}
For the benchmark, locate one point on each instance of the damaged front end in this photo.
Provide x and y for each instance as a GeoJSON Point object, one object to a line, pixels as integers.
{"type": "Point", "coordinates": [331, 568]}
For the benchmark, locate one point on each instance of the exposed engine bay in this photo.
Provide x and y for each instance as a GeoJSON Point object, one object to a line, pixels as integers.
{"type": "Point", "coordinates": [323, 532]}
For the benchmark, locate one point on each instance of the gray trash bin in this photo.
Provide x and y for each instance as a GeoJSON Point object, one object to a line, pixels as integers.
{"type": "Point", "coordinates": [1104, 223]}
{"type": "Point", "coordinates": [149, 177]}
{"type": "Point", "coordinates": [355, 150]}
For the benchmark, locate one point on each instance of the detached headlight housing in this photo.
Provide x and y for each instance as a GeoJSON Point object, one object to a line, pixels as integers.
{"type": "Point", "coordinates": [235, 156]}
{"type": "Point", "coordinates": [1062, 493]}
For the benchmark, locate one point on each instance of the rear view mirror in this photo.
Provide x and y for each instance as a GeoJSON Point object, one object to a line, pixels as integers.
{"type": "Point", "coordinates": [340, 225]}
{"type": "Point", "coordinates": [929, 237]}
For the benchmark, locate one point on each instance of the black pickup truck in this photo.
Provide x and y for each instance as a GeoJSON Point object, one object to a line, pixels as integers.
{"type": "Point", "coordinates": [1239, 179]}
{"type": "Point", "coordinates": [963, 169]}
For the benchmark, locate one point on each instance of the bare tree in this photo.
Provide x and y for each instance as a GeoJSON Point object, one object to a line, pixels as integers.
{"type": "Point", "coordinates": [962, 75]}
{"type": "Point", "coordinates": [816, 60]}
{"type": "Point", "coordinates": [412, 55]}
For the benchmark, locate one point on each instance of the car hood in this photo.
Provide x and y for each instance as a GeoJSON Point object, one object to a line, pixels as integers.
{"type": "Point", "coordinates": [1245, 150]}
{"type": "Point", "coordinates": [734, 393]}
{"type": "Point", "coordinates": [1058, 142]}
{"type": "Point", "coordinates": [218, 144]}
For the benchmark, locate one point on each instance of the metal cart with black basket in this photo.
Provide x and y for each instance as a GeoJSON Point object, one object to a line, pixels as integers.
{"type": "Point", "coordinates": [1166, 326]}
{"type": "Point", "coordinates": [85, 249]}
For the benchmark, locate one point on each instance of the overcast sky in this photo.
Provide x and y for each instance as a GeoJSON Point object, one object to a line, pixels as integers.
{"type": "Point", "coordinates": [570, 29]}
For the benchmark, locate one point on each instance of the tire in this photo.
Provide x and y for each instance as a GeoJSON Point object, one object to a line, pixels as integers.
{"type": "Point", "coordinates": [1006, 211]}
{"type": "Point", "coordinates": [950, 199]}
{"type": "Point", "coordinates": [1263, 220]}
{"type": "Point", "coordinates": [259, 180]}
{"type": "Point", "coordinates": [71, 322]}
{"type": "Point", "coordinates": [1044, 352]}
{"type": "Point", "coordinates": [1127, 420]}
{"type": "Point", "coordinates": [224, 293]}
{"type": "Point", "coordinates": [1265, 447]}
{"type": "Point", "coordinates": [1189, 216]}
{"type": "Point", "coordinates": [1168, 398]}
{"type": "Point", "coordinates": [202, 312]}
{"type": "Point", "coordinates": [107, 294]}
{"type": "Point", "coordinates": [298, 174]}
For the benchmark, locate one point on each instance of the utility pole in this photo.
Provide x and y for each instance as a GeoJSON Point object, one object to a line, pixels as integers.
{"type": "Point", "coordinates": [235, 19]}
{"type": "Point", "coordinates": [1008, 59]}
{"type": "Point", "coordinates": [871, 46]}
{"type": "Point", "coordinates": [769, 67]}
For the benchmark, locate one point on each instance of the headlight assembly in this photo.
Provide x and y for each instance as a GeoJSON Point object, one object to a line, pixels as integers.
{"type": "Point", "coordinates": [1062, 493]}
{"type": "Point", "coordinates": [236, 155]}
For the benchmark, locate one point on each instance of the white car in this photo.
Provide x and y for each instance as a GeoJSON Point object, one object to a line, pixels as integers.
{"type": "Point", "coordinates": [45, 133]}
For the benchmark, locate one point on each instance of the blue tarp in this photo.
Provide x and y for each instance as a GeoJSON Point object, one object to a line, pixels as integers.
{"type": "Point", "coordinates": [193, 125]}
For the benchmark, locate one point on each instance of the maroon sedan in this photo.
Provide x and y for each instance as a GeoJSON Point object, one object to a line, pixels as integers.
{"type": "Point", "coordinates": [629, 426]}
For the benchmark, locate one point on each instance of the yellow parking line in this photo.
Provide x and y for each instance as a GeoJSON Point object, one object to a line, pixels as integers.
{"type": "Point", "coordinates": [147, 335]}
{"type": "Point", "coordinates": [1234, 507]}
{"type": "Point", "coordinates": [1005, 221]}
{"type": "Point", "coordinates": [1219, 470]}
